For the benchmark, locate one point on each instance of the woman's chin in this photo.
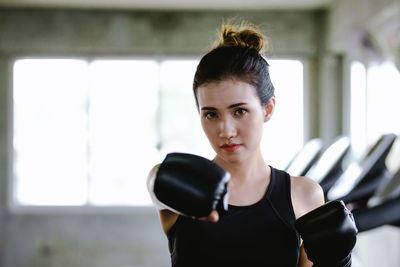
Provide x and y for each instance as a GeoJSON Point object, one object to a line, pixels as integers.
{"type": "Point", "coordinates": [230, 157]}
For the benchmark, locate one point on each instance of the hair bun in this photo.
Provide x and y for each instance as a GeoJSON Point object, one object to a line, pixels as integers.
{"type": "Point", "coordinates": [242, 35]}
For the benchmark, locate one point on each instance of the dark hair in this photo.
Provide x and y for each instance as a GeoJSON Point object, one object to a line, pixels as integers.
{"type": "Point", "coordinates": [237, 56]}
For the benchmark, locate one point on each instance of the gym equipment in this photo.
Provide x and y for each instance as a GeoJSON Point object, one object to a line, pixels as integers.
{"type": "Point", "coordinates": [305, 158]}
{"type": "Point", "coordinates": [360, 180]}
{"type": "Point", "coordinates": [386, 191]}
{"type": "Point", "coordinates": [328, 168]}
{"type": "Point", "coordinates": [383, 208]}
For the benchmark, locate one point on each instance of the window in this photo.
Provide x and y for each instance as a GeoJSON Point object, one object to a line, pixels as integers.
{"type": "Point", "coordinates": [383, 94]}
{"type": "Point", "coordinates": [375, 91]}
{"type": "Point", "coordinates": [49, 132]}
{"type": "Point", "coordinates": [122, 140]}
{"type": "Point", "coordinates": [86, 133]}
{"type": "Point", "coordinates": [358, 86]}
{"type": "Point", "coordinates": [284, 133]}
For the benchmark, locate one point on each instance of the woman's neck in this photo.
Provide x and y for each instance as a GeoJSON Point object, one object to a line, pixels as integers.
{"type": "Point", "coordinates": [252, 168]}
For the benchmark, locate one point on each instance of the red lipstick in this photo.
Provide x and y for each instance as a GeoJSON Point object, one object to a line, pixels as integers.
{"type": "Point", "coordinates": [230, 147]}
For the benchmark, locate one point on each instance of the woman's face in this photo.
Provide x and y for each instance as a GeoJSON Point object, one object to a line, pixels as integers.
{"type": "Point", "coordinates": [233, 118]}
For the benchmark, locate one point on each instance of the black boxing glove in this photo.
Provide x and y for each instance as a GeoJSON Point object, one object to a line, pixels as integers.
{"type": "Point", "coordinates": [329, 234]}
{"type": "Point", "coordinates": [190, 185]}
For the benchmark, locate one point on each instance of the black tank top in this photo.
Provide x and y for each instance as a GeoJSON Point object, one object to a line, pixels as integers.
{"type": "Point", "coordinates": [261, 234]}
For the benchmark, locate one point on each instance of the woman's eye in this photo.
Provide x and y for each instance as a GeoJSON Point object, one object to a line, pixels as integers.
{"type": "Point", "coordinates": [210, 115]}
{"type": "Point", "coordinates": [240, 112]}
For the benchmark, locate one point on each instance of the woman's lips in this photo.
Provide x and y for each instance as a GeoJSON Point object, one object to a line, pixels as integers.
{"type": "Point", "coordinates": [230, 147]}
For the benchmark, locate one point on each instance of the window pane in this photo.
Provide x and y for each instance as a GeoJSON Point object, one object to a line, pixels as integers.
{"type": "Point", "coordinates": [50, 132]}
{"type": "Point", "coordinates": [123, 109]}
{"type": "Point", "coordinates": [374, 95]}
{"type": "Point", "coordinates": [181, 128]}
{"type": "Point", "coordinates": [284, 133]}
{"type": "Point", "coordinates": [89, 134]}
{"type": "Point", "coordinates": [358, 87]}
{"type": "Point", "coordinates": [383, 95]}
{"type": "Point", "coordinates": [383, 109]}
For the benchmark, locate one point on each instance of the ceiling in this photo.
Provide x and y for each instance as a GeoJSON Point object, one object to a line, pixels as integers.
{"type": "Point", "coordinates": [171, 4]}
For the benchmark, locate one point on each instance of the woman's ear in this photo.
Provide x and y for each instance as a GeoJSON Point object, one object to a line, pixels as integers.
{"type": "Point", "coordinates": [269, 109]}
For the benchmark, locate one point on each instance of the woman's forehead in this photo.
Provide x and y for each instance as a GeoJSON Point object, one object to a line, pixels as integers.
{"type": "Point", "coordinates": [225, 93]}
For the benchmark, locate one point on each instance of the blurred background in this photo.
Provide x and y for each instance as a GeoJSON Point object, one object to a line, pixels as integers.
{"type": "Point", "coordinates": [93, 93]}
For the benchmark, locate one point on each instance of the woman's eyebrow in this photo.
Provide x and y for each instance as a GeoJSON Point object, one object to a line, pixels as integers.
{"type": "Point", "coordinates": [229, 107]}
{"type": "Point", "coordinates": [237, 105]}
{"type": "Point", "coordinates": [208, 108]}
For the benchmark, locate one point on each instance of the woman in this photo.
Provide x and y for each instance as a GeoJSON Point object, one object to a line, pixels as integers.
{"type": "Point", "coordinates": [235, 97]}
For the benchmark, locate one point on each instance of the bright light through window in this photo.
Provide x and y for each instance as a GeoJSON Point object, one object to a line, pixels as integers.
{"type": "Point", "coordinates": [88, 133]}
{"type": "Point", "coordinates": [358, 79]}
{"type": "Point", "coordinates": [284, 133]}
{"type": "Point", "coordinates": [50, 137]}
{"type": "Point", "coordinates": [375, 92]}
{"type": "Point", "coordinates": [122, 130]}
{"type": "Point", "coordinates": [180, 123]}
{"type": "Point", "coordinates": [383, 95]}
{"type": "Point", "coordinates": [383, 107]}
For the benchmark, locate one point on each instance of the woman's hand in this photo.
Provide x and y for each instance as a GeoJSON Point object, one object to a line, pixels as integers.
{"type": "Point", "coordinates": [212, 217]}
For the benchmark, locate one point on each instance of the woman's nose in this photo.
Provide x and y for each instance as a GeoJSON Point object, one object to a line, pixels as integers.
{"type": "Point", "coordinates": [227, 128]}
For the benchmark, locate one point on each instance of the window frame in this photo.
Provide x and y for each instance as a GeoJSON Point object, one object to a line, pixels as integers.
{"type": "Point", "coordinates": [12, 203]}
{"type": "Point", "coordinates": [365, 141]}
{"type": "Point", "coordinates": [87, 208]}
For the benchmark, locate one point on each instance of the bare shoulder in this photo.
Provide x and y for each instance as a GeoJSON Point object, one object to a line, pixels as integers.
{"type": "Point", "coordinates": [306, 195]}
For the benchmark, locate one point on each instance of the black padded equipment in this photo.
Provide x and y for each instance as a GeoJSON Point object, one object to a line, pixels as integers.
{"type": "Point", "coordinates": [329, 235]}
{"type": "Point", "coordinates": [305, 158]}
{"type": "Point", "coordinates": [383, 208]}
{"type": "Point", "coordinates": [385, 213]}
{"type": "Point", "coordinates": [191, 185]}
{"type": "Point", "coordinates": [328, 168]}
{"type": "Point", "coordinates": [388, 190]}
{"type": "Point", "coordinates": [360, 180]}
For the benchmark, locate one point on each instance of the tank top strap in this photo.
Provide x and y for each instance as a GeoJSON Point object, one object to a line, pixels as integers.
{"type": "Point", "coordinates": [279, 196]}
